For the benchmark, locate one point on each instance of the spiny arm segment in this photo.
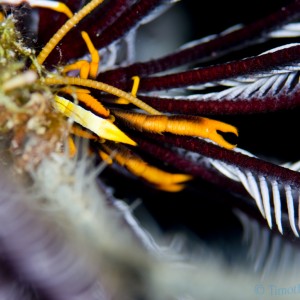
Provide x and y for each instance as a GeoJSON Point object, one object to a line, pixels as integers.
{"type": "Point", "coordinates": [101, 87]}
{"type": "Point", "coordinates": [181, 125]}
{"type": "Point", "coordinates": [58, 36]}
{"type": "Point", "coordinates": [102, 127]}
{"type": "Point", "coordinates": [163, 180]}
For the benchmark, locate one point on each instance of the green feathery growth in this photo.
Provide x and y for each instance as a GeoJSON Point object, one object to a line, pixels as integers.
{"type": "Point", "coordinates": [29, 126]}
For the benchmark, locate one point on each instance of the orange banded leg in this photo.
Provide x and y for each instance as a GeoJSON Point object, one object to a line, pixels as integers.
{"type": "Point", "coordinates": [135, 87]}
{"type": "Point", "coordinates": [83, 96]}
{"type": "Point", "coordinates": [72, 147]}
{"type": "Point", "coordinates": [75, 130]}
{"type": "Point", "coordinates": [83, 134]}
{"type": "Point", "coordinates": [181, 125]}
{"type": "Point", "coordinates": [86, 69]}
{"type": "Point", "coordinates": [161, 179]}
{"type": "Point", "coordinates": [105, 157]}
{"type": "Point", "coordinates": [95, 58]}
{"type": "Point", "coordinates": [82, 65]}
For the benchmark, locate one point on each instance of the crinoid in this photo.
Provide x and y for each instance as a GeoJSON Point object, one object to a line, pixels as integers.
{"type": "Point", "coordinates": [163, 127]}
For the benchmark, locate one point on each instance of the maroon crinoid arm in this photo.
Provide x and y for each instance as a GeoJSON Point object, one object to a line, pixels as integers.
{"type": "Point", "coordinates": [249, 66]}
{"type": "Point", "coordinates": [178, 160]}
{"type": "Point", "coordinates": [274, 188]}
{"type": "Point", "coordinates": [242, 183]}
{"type": "Point", "coordinates": [208, 50]}
{"type": "Point", "coordinates": [225, 106]}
